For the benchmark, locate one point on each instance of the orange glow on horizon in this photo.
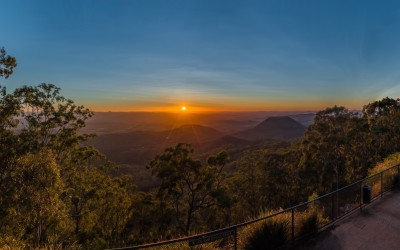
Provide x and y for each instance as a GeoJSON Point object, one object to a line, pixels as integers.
{"type": "Point", "coordinates": [179, 109]}
{"type": "Point", "coordinates": [243, 106]}
{"type": "Point", "coordinates": [167, 109]}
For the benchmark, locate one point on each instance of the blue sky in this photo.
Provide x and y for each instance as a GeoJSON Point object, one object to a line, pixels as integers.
{"type": "Point", "coordinates": [209, 55]}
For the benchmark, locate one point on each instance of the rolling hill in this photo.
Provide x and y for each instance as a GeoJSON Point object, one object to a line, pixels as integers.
{"type": "Point", "coordinates": [140, 147]}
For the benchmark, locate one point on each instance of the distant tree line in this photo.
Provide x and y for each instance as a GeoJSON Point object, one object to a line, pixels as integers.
{"type": "Point", "coordinates": [56, 190]}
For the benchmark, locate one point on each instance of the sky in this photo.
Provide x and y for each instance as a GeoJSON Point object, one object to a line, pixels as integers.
{"type": "Point", "coordinates": [208, 55]}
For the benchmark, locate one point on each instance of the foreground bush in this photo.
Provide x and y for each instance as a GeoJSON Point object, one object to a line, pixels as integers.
{"type": "Point", "coordinates": [390, 177]}
{"type": "Point", "coordinates": [308, 224]}
{"type": "Point", "coordinates": [388, 162]}
{"type": "Point", "coordinates": [269, 235]}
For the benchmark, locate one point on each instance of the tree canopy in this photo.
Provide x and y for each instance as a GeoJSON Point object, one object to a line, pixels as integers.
{"type": "Point", "coordinates": [7, 64]}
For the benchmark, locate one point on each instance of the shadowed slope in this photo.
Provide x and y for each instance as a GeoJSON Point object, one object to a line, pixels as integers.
{"type": "Point", "coordinates": [277, 127]}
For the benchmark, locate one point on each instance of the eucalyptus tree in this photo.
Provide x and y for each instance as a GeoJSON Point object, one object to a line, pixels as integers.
{"type": "Point", "coordinates": [187, 185]}
{"type": "Point", "coordinates": [248, 185]}
{"type": "Point", "coordinates": [51, 182]}
{"type": "Point", "coordinates": [71, 184]}
{"type": "Point", "coordinates": [33, 206]}
{"type": "Point", "coordinates": [9, 108]}
{"type": "Point", "coordinates": [280, 170]}
{"type": "Point", "coordinates": [100, 205]}
{"type": "Point", "coordinates": [47, 119]}
{"type": "Point", "coordinates": [383, 118]}
{"type": "Point", "coordinates": [7, 64]}
{"type": "Point", "coordinates": [333, 150]}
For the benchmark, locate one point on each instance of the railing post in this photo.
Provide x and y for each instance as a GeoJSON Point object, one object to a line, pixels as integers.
{"type": "Point", "coordinates": [361, 194]}
{"type": "Point", "coordinates": [333, 207]}
{"type": "Point", "coordinates": [292, 224]}
{"type": "Point", "coordinates": [381, 183]}
{"type": "Point", "coordinates": [337, 203]}
{"type": "Point", "coordinates": [398, 175]}
{"type": "Point", "coordinates": [235, 238]}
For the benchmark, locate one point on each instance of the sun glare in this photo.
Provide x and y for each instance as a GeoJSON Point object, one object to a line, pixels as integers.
{"type": "Point", "coordinates": [183, 108]}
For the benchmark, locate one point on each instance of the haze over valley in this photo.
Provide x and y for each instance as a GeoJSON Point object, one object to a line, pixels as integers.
{"type": "Point", "coordinates": [133, 139]}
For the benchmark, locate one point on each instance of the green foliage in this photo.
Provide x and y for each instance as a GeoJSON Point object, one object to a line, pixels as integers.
{"type": "Point", "coordinates": [187, 185]}
{"type": "Point", "coordinates": [341, 146]}
{"type": "Point", "coordinates": [35, 210]}
{"type": "Point", "coordinates": [50, 120]}
{"type": "Point", "coordinates": [53, 187]}
{"type": "Point", "coordinates": [99, 205]}
{"type": "Point", "coordinates": [247, 186]}
{"type": "Point", "coordinates": [333, 150]}
{"type": "Point", "coordinates": [7, 64]}
{"type": "Point", "coordinates": [260, 176]}
{"type": "Point", "coordinates": [383, 118]}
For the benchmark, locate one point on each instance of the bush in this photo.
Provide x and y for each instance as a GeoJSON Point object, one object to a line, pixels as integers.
{"type": "Point", "coordinates": [388, 162]}
{"type": "Point", "coordinates": [268, 235]}
{"type": "Point", "coordinates": [9, 243]}
{"type": "Point", "coordinates": [308, 224]}
{"type": "Point", "coordinates": [390, 177]}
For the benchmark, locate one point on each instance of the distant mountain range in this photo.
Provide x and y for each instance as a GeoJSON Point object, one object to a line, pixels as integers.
{"type": "Point", "coordinates": [139, 147]}
{"type": "Point", "coordinates": [227, 122]}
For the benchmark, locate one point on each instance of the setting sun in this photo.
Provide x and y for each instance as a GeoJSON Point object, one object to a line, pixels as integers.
{"type": "Point", "coordinates": [183, 108]}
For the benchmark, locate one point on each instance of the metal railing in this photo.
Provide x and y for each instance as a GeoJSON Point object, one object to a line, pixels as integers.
{"type": "Point", "coordinates": [331, 207]}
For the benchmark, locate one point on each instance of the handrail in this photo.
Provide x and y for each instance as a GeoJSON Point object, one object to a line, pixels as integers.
{"type": "Point", "coordinates": [291, 209]}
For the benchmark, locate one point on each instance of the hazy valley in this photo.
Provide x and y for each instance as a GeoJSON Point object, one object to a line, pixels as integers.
{"type": "Point", "coordinates": [132, 140]}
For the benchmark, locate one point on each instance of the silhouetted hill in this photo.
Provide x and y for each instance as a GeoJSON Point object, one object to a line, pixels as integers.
{"type": "Point", "coordinates": [228, 122]}
{"type": "Point", "coordinates": [140, 147]}
{"type": "Point", "coordinates": [276, 127]}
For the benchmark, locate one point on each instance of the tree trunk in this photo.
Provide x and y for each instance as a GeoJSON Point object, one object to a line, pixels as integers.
{"type": "Point", "coordinates": [189, 220]}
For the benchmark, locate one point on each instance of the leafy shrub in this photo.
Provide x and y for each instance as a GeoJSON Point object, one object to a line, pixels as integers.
{"type": "Point", "coordinates": [268, 235]}
{"type": "Point", "coordinates": [388, 162]}
{"type": "Point", "coordinates": [390, 177]}
{"type": "Point", "coordinates": [308, 224]}
{"type": "Point", "coordinates": [9, 243]}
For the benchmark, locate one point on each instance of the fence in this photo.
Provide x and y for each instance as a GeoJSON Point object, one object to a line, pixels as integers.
{"type": "Point", "coordinates": [331, 207]}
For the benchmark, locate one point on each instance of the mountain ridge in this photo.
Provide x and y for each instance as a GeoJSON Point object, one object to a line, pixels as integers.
{"type": "Point", "coordinates": [274, 127]}
{"type": "Point", "coordinates": [140, 147]}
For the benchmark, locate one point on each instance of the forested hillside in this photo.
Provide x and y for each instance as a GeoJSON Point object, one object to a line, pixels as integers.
{"type": "Point", "coordinates": [57, 191]}
{"type": "Point", "coordinates": [139, 147]}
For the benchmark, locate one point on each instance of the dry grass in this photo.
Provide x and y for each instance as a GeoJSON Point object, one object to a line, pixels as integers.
{"type": "Point", "coordinates": [389, 161]}
{"type": "Point", "coordinates": [389, 178]}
